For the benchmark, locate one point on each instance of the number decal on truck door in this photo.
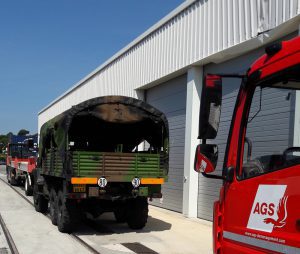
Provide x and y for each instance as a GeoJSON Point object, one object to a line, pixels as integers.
{"type": "Point", "coordinates": [269, 209]}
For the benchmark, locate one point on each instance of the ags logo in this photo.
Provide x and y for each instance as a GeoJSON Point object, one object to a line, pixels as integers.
{"type": "Point", "coordinates": [269, 209]}
{"type": "Point", "coordinates": [264, 208]}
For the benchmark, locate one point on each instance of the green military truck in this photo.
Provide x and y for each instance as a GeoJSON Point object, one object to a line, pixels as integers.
{"type": "Point", "coordinates": [107, 154]}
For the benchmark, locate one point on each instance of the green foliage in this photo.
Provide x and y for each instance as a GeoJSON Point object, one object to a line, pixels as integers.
{"type": "Point", "coordinates": [2, 157]}
{"type": "Point", "coordinates": [3, 142]}
{"type": "Point", "coordinates": [23, 132]}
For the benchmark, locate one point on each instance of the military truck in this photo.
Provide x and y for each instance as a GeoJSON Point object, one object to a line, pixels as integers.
{"type": "Point", "coordinates": [107, 154]}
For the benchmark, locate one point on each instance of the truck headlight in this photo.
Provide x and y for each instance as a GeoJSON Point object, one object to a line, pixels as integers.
{"type": "Point", "coordinates": [102, 182]}
{"type": "Point", "coordinates": [136, 182]}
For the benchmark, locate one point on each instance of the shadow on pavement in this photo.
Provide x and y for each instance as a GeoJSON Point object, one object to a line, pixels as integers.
{"type": "Point", "coordinates": [107, 225]}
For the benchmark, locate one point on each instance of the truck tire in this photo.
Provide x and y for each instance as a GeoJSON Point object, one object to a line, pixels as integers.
{"type": "Point", "coordinates": [120, 214]}
{"type": "Point", "coordinates": [28, 187]}
{"type": "Point", "coordinates": [64, 215]}
{"type": "Point", "coordinates": [40, 202]}
{"type": "Point", "coordinates": [7, 174]}
{"type": "Point", "coordinates": [137, 213]}
{"type": "Point", "coordinates": [53, 206]}
{"type": "Point", "coordinates": [13, 181]}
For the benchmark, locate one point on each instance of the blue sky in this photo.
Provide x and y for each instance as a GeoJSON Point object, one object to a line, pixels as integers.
{"type": "Point", "coordinates": [47, 46]}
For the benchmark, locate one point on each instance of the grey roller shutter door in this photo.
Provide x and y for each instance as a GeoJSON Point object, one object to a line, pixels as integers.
{"type": "Point", "coordinates": [170, 98]}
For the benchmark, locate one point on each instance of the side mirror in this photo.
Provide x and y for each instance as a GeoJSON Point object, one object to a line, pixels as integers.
{"type": "Point", "coordinates": [206, 158]}
{"type": "Point", "coordinates": [210, 109]}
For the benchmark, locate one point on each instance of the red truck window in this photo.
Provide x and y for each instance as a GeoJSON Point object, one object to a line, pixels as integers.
{"type": "Point", "coordinates": [269, 141]}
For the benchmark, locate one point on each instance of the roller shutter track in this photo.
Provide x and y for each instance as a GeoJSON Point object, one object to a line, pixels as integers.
{"type": "Point", "coordinates": [170, 98]}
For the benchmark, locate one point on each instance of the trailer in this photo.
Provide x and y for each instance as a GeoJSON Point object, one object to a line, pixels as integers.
{"type": "Point", "coordinates": [107, 154]}
{"type": "Point", "coordinates": [21, 159]}
{"type": "Point", "coordinates": [258, 208]}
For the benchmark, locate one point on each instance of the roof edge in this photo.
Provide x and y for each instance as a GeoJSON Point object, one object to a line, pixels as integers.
{"type": "Point", "coordinates": [152, 29]}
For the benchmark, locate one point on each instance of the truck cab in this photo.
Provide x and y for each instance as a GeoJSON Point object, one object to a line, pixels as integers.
{"type": "Point", "coordinates": [20, 162]}
{"type": "Point", "coordinates": [258, 208]}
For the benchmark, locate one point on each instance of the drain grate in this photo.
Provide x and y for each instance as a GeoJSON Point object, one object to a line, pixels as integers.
{"type": "Point", "coordinates": [3, 251]}
{"type": "Point", "coordinates": [139, 248]}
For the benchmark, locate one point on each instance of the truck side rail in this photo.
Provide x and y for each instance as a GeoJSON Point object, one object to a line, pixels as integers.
{"type": "Point", "coordinates": [105, 163]}
{"type": "Point", "coordinates": [113, 164]}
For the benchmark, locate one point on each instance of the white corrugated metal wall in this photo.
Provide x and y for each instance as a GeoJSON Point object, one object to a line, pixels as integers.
{"type": "Point", "coordinates": [196, 31]}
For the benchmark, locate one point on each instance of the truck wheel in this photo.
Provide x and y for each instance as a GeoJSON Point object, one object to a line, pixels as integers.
{"type": "Point", "coordinates": [13, 181]}
{"type": "Point", "coordinates": [137, 213]}
{"type": "Point", "coordinates": [120, 214]}
{"type": "Point", "coordinates": [53, 206]}
{"type": "Point", "coordinates": [40, 202]}
{"type": "Point", "coordinates": [28, 187]}
{"type": "Point", "coordinates": [64, 218]}
{"type": "Point", "coordinates": [7, 174]}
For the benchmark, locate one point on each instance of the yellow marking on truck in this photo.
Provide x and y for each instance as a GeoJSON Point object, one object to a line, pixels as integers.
{"type": "Point", "coordinates": [79, 188]}
{"type": "Point", "coordinates": [152, 180]}
{"type": "Point", "coordinates": [83, 180]}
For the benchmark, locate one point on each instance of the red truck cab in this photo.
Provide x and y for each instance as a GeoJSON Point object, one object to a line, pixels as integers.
{"type": "Point", "coordinates": [20, 162]}
{"type": "Point", "coordinates": [258, 210]}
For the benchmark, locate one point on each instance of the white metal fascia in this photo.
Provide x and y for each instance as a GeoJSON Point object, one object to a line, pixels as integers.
{"type": "Point", "coordinates": [237, 50]}
{"type": "Point", "coordinates": [152, 29]}
{"type": "Point", "coordinates": [175, 44]}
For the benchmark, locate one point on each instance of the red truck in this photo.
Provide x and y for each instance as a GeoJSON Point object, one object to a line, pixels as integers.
{"type": "Point", "coordinates": [20, 162]}
{"type": "Point", "coordinates": [258, 210]}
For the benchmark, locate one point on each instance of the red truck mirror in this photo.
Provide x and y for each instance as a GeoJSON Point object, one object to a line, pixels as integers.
{"type": "Point", "coordinates": [210, 108]}
{"type": "Point", "coordinates": [206, 158]}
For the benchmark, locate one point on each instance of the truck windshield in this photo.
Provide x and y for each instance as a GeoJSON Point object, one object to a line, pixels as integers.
{"type": "Point", "coordinates": [21, 151]}
{"type": "Point", "coordinates": [271, 141]}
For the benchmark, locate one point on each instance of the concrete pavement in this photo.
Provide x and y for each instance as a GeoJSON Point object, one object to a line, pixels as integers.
{"type": "Point", "coordinates": [32, 232]}
{"type": "Point", "coordinates": [4, 248]}
{"type": "Point", "coordinates": [166, 232]}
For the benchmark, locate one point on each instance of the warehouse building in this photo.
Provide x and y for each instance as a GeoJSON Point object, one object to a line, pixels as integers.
{"type": "Point", "coordinates": [165, 67]}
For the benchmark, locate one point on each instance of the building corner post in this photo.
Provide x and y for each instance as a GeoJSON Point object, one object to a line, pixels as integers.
{"type": "Point", "coordinates": [190, 181]}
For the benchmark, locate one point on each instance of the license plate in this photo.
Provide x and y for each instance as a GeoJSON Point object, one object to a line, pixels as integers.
{"type": "Point", "coordinates": [93, 191]}
{"type": "Point", "coordinates": [79, 188]}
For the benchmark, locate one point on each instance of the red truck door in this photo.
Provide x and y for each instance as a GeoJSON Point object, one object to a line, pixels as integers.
{"type": "Point", "coordinates": [263, 213]}
{"type": "Point", "coordinates": [261, 208]}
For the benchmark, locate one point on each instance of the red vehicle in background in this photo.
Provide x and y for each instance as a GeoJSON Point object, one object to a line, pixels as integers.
{"type": "Point", "coordinates": [20, 161]}
{"type": "Point", "coordinates": [258, 210]}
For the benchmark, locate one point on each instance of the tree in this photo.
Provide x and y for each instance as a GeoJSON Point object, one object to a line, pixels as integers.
{"type": "Point", "coordinates": [23, 132]}
{"type": "Point", "coordinates": [3, 141]}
